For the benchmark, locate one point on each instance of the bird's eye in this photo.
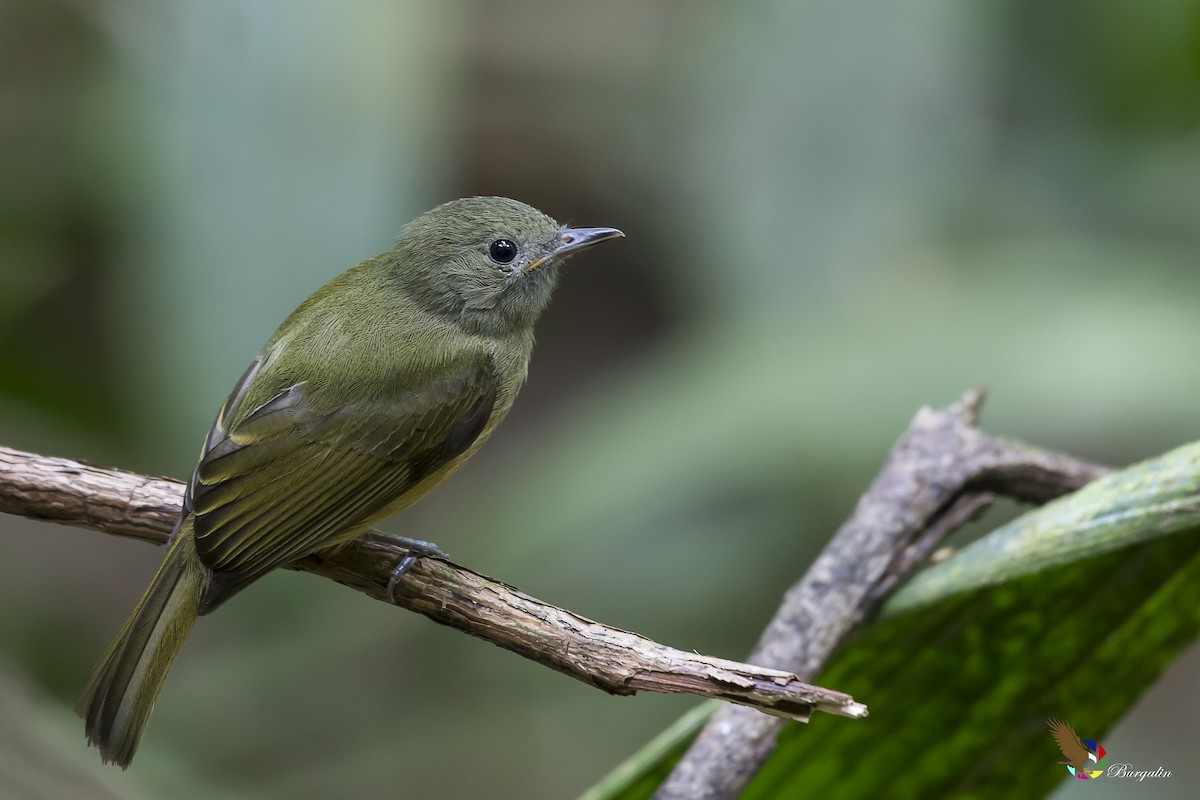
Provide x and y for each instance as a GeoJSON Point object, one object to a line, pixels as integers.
{"type": "Point", "coordinates": [503, 251]}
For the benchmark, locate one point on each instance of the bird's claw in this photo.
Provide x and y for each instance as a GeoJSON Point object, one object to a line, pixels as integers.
{"type": "Point", "coordinates": [416, 548]}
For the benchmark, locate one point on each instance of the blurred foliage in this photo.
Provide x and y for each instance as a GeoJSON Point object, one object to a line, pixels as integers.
{"type": "Point", "coordinates": [56, 230]}
{"type": "Point", "coordinates": [36, 758]}
{"type": "Point", "coordinates": [836, 213]}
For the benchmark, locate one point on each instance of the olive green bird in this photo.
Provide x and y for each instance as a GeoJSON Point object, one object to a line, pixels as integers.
{"type": "Point", "coordinates": [375, 390]}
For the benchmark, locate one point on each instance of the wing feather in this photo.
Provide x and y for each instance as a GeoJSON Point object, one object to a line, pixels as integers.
{"type": "Point", "coordinates": [255, 520]}
{"type": "Point", "coordinates": [341, 468]}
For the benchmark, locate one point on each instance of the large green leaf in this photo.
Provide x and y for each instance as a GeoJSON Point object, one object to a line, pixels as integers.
{"type": "Point", "coordinates": [960, 689]}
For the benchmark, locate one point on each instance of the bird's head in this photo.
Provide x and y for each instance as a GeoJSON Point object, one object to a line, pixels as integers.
{"type": "Point", "coordinates": [488, 262]}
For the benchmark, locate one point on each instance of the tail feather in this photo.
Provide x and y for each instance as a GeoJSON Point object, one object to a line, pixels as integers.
{"type": "Point", "coordinates": [117, 700]}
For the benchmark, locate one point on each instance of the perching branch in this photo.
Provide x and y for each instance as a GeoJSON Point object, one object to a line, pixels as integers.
{"type": "Point", "coordinates": [619, 662]}
{"type": "Point", "coordinates": [940, 473]}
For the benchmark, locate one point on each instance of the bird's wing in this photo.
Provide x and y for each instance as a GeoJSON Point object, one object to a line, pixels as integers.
{"type": "Point", "coordinates": [288, 478]}
{"type": "Point", "coordinates": [1068, 741]}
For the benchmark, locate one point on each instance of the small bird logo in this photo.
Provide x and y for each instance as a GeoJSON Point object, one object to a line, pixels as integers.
{"type": "Point", "coordinates": [1082, 756]}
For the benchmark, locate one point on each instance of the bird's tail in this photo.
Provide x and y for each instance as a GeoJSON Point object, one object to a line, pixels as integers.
{"type": "Point", "coordinates": [118, 697]}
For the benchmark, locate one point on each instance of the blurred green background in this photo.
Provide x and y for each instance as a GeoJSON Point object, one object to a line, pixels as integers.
{"type": "Point", "coordinates": [836, 212]}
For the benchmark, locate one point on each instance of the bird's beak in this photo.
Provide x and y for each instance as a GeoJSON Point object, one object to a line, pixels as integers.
{"type": "Point", "coordinates": [572, 239]}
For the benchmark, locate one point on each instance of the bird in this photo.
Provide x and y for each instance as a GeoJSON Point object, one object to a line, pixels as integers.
{"type": "Point", "coordinates": [378, 388]}
{"type": "Point", "coordinates": [1078, 756]}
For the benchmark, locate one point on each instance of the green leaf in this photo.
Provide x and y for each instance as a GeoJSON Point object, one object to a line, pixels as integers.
{"type": "Point", "coordinates": [960, 689]}
{"type": "Point", "coordinates": [1148, 500]}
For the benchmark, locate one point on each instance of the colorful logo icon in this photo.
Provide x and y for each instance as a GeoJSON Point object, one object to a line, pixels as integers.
{"type": "Point", "coordinates": [1083, 755]}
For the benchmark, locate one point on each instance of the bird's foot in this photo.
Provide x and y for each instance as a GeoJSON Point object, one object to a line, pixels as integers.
{"type": "Point", "coordinates": [416, 549]}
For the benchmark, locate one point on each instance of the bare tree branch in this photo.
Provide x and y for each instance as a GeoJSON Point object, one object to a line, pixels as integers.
{"type": "Point", "coordinates": [619, 662]}
{"type": "Point", "coordinates": [940, 473]}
